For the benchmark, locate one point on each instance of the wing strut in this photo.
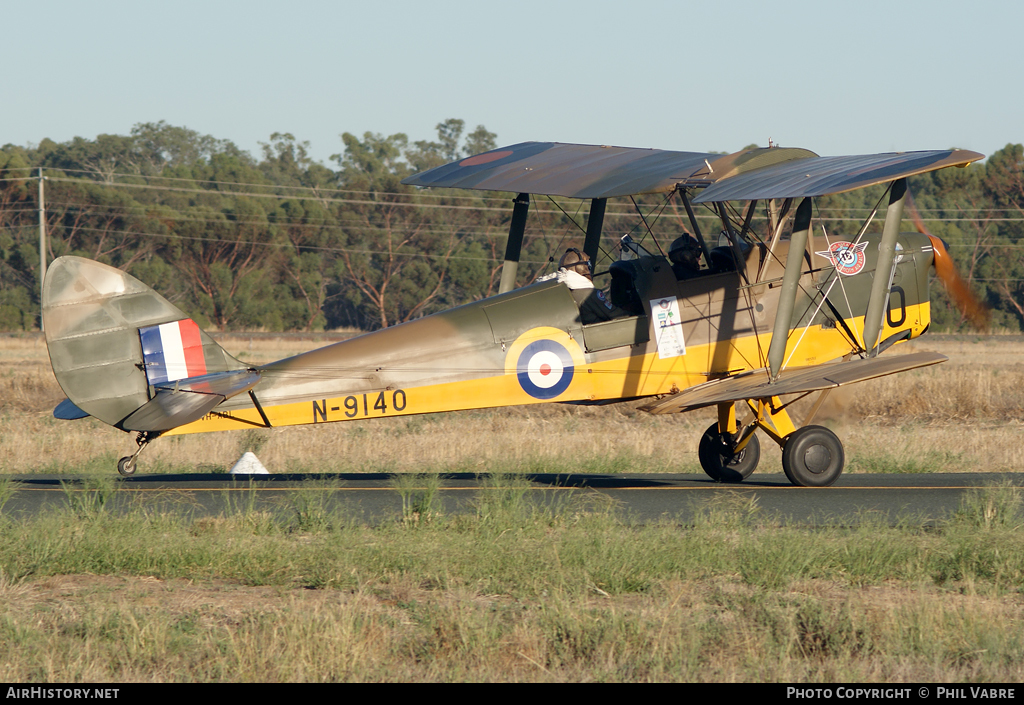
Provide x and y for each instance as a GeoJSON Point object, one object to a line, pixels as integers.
{"type": "Point", "coordinates": [883, 270]}
{"type": "Point", "coordinates": [515, 243]}
{"type": "Point", "coordinates": [734, 238]}
{"type": "Point", "coordinates": [595, 223]}
{"type": "Point", "coordinates": [696, 228]}
{"type": "Point", "coordinates": [790, 283]}
{"type": "Point", "coordinates": [777, 220]}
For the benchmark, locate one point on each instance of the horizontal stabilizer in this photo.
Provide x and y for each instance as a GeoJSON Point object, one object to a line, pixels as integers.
{"type": "Point", "coordinates": [225, 384]}
{"type": "Point", "coordinates": [755, 385]}
{"type": "Point", "coordinates": [67, 411]}
{"type": "Point", "coordinates": [187, 400]}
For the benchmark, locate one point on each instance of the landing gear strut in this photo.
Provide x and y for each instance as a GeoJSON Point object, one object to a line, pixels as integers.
{"type": "Point", "coordinates": [812, 456]}
{"type": "Point", "coordinates": [126, 465]}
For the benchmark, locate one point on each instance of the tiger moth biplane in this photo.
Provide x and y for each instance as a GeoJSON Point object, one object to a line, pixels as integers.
{"type": "Point", "coordinates": [786, 313]}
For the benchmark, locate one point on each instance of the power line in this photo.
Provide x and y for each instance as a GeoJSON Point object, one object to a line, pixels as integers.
{"type": "Point", "coordinates": [351, 250]}
{"type": "Point", "coordinates": [322, 199]}
{"type": "Point", "coordinates": [145, 209]}
{"type": "Point", "coordinates": [350, 201]}
{"type": "Point", "coordinates": [342, 225]}
{"type": "Point", "coordinates": [612, 213]}
{"type": "Point", "coordinates": [148, 211]}
{"type": "Point", "coordinates": [313, 189]}
{"type": "Point", "coordinates": [260, 243]}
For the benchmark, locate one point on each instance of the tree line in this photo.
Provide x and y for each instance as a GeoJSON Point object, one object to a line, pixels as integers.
{"type": "Point", "coordinates": [282, 242]}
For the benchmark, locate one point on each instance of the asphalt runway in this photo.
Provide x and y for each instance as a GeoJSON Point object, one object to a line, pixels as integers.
{"type": "Point", "coordinates": [374, 498]}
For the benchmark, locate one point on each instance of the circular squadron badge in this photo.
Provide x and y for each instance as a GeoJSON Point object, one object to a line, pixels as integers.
{"type": "Point", "coordinates": [847, 257]}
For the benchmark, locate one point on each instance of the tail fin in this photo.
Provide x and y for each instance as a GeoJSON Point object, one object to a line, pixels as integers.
{"type": "Point", "coordinates": [112, 339]}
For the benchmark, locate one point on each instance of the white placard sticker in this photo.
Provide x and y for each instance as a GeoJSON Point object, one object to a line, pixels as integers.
{"type": "Point", "coordinates": [668, 327]}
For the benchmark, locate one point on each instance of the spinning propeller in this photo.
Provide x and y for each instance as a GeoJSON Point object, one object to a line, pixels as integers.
{"type": "Point", "coordinates": [966, 301]}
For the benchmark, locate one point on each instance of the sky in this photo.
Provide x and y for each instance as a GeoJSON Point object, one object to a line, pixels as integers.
{"type": "Point", "coordinates": [832, 77]}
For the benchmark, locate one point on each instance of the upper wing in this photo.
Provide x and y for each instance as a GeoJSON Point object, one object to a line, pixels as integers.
{"type": "Point", "coordinates": [574, 170]}
{"type": "Point", "coordinates": [818, 176]}
{"type": "Point", "coordinates": [593, 171]}
{"type": "Point", "coordinates": [754, 385]}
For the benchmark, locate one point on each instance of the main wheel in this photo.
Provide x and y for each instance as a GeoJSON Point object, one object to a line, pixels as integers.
{"type": "Point", "coordinates": [813, 457]}
{"type": "Point", "coordinates": [720, 463]}
{"type": "Point", "coordinates": [126, 466]}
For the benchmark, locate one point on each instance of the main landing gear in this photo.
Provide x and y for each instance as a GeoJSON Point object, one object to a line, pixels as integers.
{"type": "Point", "coordinates": [126, 465]}
{"type": "Point", "coordinates": [722, 457]}
{"type": "Point", "coordinates": [812, 456]}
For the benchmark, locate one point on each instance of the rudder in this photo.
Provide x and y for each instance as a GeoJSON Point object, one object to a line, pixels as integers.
{"type": "Point", "coordinates": [110, 338]}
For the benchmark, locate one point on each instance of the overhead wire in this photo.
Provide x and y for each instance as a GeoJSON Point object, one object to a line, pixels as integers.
{"type": "Point", "coordinates": [314, 189]}
{"type": "Point", "coordinates": [174, 236]}
{"type": "Point", "coordinates": [414, 204]}
{"type": "Point", "coordinates": [394, 203]}
{"type": "Point", "coordinates": [270, 220]}
{"type": "Point", "coordinates": [215, 182]}
{"type": "Point", "coordinates": [121, 210]}
{"type": "Point", "coordinates": [342, 226]}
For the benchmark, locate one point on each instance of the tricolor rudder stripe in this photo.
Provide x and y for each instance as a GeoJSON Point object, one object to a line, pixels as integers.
{"type": "Point", "coordinates": [172, 351]}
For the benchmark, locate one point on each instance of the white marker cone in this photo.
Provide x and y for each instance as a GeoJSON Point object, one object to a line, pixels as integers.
{"type": "Point", "coordinates": [249, 464]}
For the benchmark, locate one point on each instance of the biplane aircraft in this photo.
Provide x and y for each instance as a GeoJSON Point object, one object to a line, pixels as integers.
{"type": "Point", "coordinates": [763, 319]}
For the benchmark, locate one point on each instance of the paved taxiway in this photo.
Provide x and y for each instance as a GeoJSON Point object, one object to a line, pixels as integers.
{"type": "Point", "coordinates": [373, 498]}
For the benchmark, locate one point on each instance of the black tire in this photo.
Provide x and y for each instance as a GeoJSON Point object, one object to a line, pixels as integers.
{"type": "Point", "coordinates": [722, 465]}
{"type": "Point", "coordinates": [126, 466]}
{"type": "Point", "coordinates": [813, 456]}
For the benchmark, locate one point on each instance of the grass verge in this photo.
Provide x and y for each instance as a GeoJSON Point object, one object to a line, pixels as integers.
{"type": "Point", "coordinates": [557, 588]}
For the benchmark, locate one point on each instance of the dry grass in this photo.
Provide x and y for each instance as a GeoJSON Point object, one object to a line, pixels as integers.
{"type": "Point", "coordinates": [962, 416]}
{"type": "Point", "coordinates": [983, 380]}
{"type": "Point", "coordinates": [101, 629]}
{"type": "Point", "coordinates": [517, 592]}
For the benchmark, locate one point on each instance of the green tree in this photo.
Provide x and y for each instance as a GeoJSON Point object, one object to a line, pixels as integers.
{"type": "Point", "coordinates": [373, 163]}
{"type": "Point", "coordinates": [480, 140]}
{"type": "Point", "coordinates": [160, 145]}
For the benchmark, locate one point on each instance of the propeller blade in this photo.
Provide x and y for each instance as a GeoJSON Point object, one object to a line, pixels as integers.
{"type": "Point", "coordinates": [915, 215]}
{"type": "Point", "coordinates": [959, 292]}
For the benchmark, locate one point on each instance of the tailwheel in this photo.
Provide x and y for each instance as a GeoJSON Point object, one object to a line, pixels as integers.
{"type": "Point", "coordinates": [721, 461]}
{"type": "Point", "coordinates": [126, 465]}
{"type": "Point", "coordinates": [813, 456]}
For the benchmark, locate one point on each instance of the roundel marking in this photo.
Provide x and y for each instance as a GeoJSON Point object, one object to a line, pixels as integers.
{"type": "Point", "coordinates": [485, 158]}
{"type": "Point", "coordinates": [544, 369]}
